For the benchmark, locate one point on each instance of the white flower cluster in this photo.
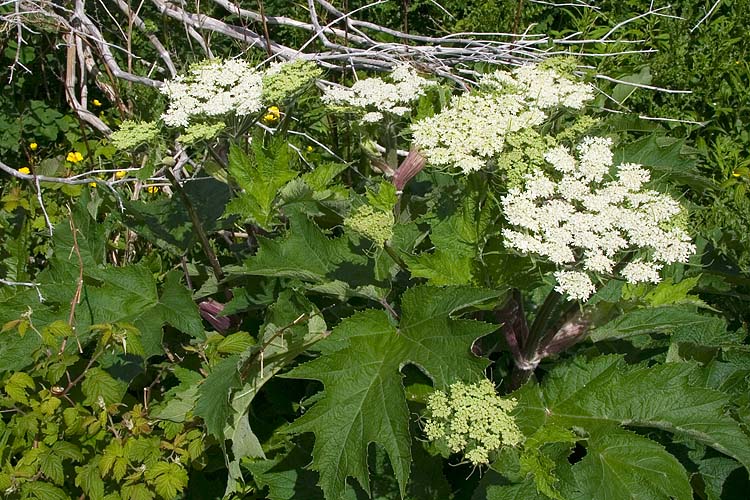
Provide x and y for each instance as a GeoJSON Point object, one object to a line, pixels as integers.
{"type": "Point", "coordinates": [213, 88]}
{"type": "Point", "coordinates": [473, 128]}
{"type": "Point", "coordinates": [587, 224]}
{"type": "Point", "coordinates": [376, 96]}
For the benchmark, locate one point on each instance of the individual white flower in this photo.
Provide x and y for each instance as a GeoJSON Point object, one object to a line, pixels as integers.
{"type": "Point", "coordinates": [575, 284]}
{"type": "Point", "coordinates": [641, 272]}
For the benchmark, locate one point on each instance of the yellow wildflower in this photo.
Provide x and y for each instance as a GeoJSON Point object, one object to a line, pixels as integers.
{"type": "Point", "coordinates": [74, 157]}
{"type": "Point", "coordinates": [33, 146]}
{"type": "Point", "coordinates": [121, 174]}
{"type": "Point", "coordinates": [736, 174]}
{"type": "Point", "coordinates": [272, 115]}
{"type": "Point", "coordinates": [152, 189]}
{"type": "Point", "coordinates": [309, 149]}
{"type": "Point", "coordinates": [96, 103]}
{"type": "Point", "coordinates": [24, 170]}
{"type": "Point", "coordinates": [92, 184]}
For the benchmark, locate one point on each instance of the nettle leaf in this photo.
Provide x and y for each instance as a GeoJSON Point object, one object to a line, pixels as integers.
{"type": "Point", "coordinates": [260, 177]}
{"type": "Point", "coordinates": [364, 400]}
{"type": "Point", "coordinates": [589, 393]}
{"type": "Point", "coordinates": [621, 465]}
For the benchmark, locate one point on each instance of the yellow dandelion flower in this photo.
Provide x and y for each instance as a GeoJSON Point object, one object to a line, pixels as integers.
{"type": "Point", "coordinates": [24, 170]}
{"type": "Point", "coordinates": [74, 157]}
{"type": "Point", "coordinates": [274, 110]}
{"type": "Point", "coordinates": [33, 146]}
{"type": "Point", "coordinates": [96, 102]}
{"type": "Point", "coordinates": [120, 174]}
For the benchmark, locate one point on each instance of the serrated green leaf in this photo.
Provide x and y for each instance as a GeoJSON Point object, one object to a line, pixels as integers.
{"type": "Point", "coordinates": [177, 408]}
{"type": "Point", "coordinates": [440, 268]}
{"type": "Point", "coordinates": [715, 472]}
{"type": "Point", "coordinates": [364, 399]}
{"type": "Point", "coordinates": [100, 384]}
{"type": "Point", "coordinates": [213, 403]}
{"type": "Point", "coordinates": [665, 319]}
{"type": "Point", "coordinates": [42, 491]}
{"type": "Point", "coordinates": [304, 253]}
{"type": "Point", "coordinates": [88, 478]}
{"type": "Point", "coordinates": [17, 385]}
{"type": "Point", "coordinates": [286, 476]}
{"type": "Point", "coordinates": [51, 466]}
{"type": "Point", "coordinates": [605, 390]}
{"type": "Point", "coordinates": [534, 460]}
{"type": "Point", "coordinates": [621, 465]}
{"type": "Point", "coordinates": [137, 491]}
{"type": "Point", "coordinates": [261, 177]}
{"type": "Point", "coordinates": [235, 343]}
{"type": "Point", "coordinates": [520, 491]}
{"type": "Point", "coordinates": [292, 325]}
{"type": "Point", "coordinates": [168, 478]}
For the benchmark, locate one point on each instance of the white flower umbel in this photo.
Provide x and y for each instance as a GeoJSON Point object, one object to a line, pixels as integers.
{"type": "Point", "coordinates": [473, 128]}
{"type": "Point", "coordinates": [591, 215]}
{"type": "Point", "coordinates": [213, 88]}
{"type": "Point", "coordinates": [375, 97]}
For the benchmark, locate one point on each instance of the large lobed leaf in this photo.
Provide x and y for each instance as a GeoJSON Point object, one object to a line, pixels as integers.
{"type": "Point", "coordinates": [363, 401]}
{"type": "Point", "coordinates": [601, 394]}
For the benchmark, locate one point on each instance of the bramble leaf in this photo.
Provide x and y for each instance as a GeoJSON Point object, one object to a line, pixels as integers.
{"type": "Point", "coordinates": [168, 478]}
{"type": "Point", "coordinates": [100, 384]}
{"type": "Point", "coordinates": [364, 399]}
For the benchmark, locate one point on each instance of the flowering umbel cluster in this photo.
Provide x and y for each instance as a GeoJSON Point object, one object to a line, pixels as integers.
{"type": "Point", "coordinates": [472, 130]}
{"type": "Point", "coordinates": [375, 225]}
{"type": "Point", "coordinates": [213, 88]}
{"type": "Point", "coordinates": [376, 96]}
{"type": "Point", "coordinates": [593, 217]}
{"type": "Point", "coordinates": [473, 419]}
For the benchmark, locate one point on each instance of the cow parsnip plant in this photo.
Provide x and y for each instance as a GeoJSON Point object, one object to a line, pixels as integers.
{"type": "Point", "coordinates": [482, 279]}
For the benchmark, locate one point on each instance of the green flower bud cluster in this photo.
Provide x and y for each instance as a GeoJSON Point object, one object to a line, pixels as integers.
{"type": "Point", "coordinates": [133, 134]}
{"type": "Point", "coordinates": [283, 80]}
{"type": "Point", "coordinates": [375, 225]}
{"type": "Point", "coordinates": [473, 419]}
{"type": "Point", "coordinates": [525, 154]}
{"type": "Point", "coordinates": [200, 132]}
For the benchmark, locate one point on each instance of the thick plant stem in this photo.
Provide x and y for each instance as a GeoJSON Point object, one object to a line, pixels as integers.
{"type": "Point", "coordinates": [198, 227]}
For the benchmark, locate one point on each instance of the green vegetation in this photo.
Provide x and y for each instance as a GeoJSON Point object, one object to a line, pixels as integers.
{"type": "Point", "coordinates": [259, 279]}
